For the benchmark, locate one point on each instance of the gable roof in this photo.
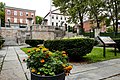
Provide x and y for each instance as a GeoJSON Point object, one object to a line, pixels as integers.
{"type": "Point", "coordinates": [50, 12]}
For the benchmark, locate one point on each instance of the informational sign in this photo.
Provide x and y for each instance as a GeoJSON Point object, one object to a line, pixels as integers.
{"type": "Point", "coordinates": [107, 40]}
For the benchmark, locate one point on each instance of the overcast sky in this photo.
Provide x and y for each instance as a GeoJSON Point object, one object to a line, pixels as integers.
{"type": "Point", "coordinates": [42, 7]}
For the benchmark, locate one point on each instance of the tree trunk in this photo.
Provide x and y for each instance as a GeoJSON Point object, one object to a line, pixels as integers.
{"type": "Point", "coordinates": [98, 22]}
{"type": "Point", "coordinates": [113, 25]}
{"type": "Point", "coordinates": [116, 15]}
{"type": "Point", "coordinates": [81, 22]}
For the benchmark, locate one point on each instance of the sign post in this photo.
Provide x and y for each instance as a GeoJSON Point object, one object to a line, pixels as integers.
{"type": "Point", "coordinates": [106, 41]}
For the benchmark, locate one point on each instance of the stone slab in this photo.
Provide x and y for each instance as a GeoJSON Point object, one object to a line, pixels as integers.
{"type": "Point", "coordinates": [12, 74]}
{"type": "Point", "coordinates": [97, 74]}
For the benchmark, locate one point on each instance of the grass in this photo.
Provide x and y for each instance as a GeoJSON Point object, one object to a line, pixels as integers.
{"type": "Point", "coordinates": [96, 54]}
{"type": "Point", "coordinates": [26, 49]}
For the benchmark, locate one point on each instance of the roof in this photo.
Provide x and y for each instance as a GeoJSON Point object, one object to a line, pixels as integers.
{"type": "Point", "coordinates": [19, 9]}
{"type": "Point", "coordinates": [49, 13]}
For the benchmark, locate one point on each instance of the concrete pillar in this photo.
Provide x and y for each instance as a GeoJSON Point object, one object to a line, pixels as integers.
{"type": "Point", "coordinates": [97, 32]}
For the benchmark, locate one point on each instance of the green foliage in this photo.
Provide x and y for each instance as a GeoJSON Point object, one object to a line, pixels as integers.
{"type": "Point", "coordinates": [2, 6]}
{"type": "Point", "coordinates": [96, 55]}
{"type": "Point", "coordinates": [112, 35]}
{"type": "Point", "coordinates": [117, 40]}
{"type": "Point", "coordinates": [88, 34]}
{"type": "Point", "coordinates": [75, 48]}
{"type": "Point", "coordinates": [70, 29]}
{"type": "Point", "coordinates": [1, 42]}
{"type": "Point", "coordinates": [76, 9]}
{"type": "Point", "coordinates": [38, 19]}
{"type": "Point", "coordinates": [43, 62]}
{"type": "Point", "coordinates": [2, 13]}
{"type": "Point", "coordinates": [34, 42]}
{"type": "Point", "coordinates": [112, 7]}
{"type": "Point", "coordinates": [2, 16]}
{"type": "Point", "coordinates": [110, 29]}
{"type": "Point", "coordinates": [96, 8]}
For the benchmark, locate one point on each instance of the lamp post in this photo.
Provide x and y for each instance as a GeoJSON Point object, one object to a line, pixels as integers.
{"type": "Point", "coordinates": [0, 23]}
{"type": "Point", "coordinates": [9, 22]}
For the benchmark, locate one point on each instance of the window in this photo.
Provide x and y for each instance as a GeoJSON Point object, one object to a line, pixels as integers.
{"type": "Point", "coordinates": [26, 13]}
{"type": "Point", "coordinates": [32, 14]}
{"type": "Point", "coordinates": [56, 24]}
{"type": "Point", "coordinates": [21, 13]}
{"type": "Point", "coordinates": [52, 17]}
{"type": "Point", "coordinates": [56, 17]}
{"type": "Point", "coordinates": [8, 12]}
{"type": "Point", "coordinates": [21, 20]}
{"type": "Point", "coordinates": [52, 23]}
{"type": "Point", "coordinates": [15, 20]}
{"type": "Point", "coordinates": [15, 13]}
{"type": "Point", "coordinates": [61, 18]}
{"type": "Point", "coordinates": [65, 18]}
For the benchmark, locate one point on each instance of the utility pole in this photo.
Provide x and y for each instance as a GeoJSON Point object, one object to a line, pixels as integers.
{"type": "Point", "coordinates": [51, 12]}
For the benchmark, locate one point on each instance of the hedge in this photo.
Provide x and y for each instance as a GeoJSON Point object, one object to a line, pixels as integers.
{"type": "Point", "coordinates": [76, 48]}
{"type": "Point", "coordinates": [117, 40]}
{"type": "Point", "coordinates": [34, 42]}
{"type": "Point", "coordinates": [1, 42]}
{"type": "Point", "coordinates": [112, 35]}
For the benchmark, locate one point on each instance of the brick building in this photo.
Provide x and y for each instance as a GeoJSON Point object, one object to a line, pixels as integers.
{"type": "Point", "coordinates": [17, 18]}
{"type": "Point", "coordinates": [87, 26]}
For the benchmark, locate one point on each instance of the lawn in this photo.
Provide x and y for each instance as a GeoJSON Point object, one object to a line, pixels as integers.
{"type": "Point", "coordinates": [96, 54]}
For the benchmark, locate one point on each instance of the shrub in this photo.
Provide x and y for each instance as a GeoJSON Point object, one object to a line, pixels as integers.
{"type": "Point", "coordinates": [117, 40]}
{"type": "Point", "coordinates": [76, 48]}
{"type": "Point", "coordinates": [1, 42]}
{"type": "Point", "coordinates": [112, 34]}
{"type": "Point", "coordinates": [43, 62]}
{"type": "Point", "coordinates": [89, 34]}
{"type": "Point", "coordinates": [34, 42]}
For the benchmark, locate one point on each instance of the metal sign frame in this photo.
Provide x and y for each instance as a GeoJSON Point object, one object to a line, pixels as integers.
{"type": "Point", "coordinates": [106, 40]}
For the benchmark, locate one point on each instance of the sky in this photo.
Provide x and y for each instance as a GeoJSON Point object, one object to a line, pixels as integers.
{"type": "Point", "coordinates": [42, 7]}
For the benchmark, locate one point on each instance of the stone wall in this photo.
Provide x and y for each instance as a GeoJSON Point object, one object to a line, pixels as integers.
{"type": "Point", "coordinates": [14, 36]}
{"type": "Point", "coordinates": [45, 35]}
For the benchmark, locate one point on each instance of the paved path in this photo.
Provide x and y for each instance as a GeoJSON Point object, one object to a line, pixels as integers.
{"type": "Point", "coordinates": [13, 68]}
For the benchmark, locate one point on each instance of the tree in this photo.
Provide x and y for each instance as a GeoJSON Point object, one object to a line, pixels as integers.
{"type": "Point", "coordinates": [2, 16]}
{"type": "Point", "coordinates": [2, 6]}
{"type": "Point", "coordinates": [2, 13]}
{"type": "Point", "coordinates": [113, 9]}
{"type": "Point", "coordinates": [38, 19]}
{"type": "Point", "coordinates": [76, 9]}
{"type": "Point", "coordinates": [96, 10]}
